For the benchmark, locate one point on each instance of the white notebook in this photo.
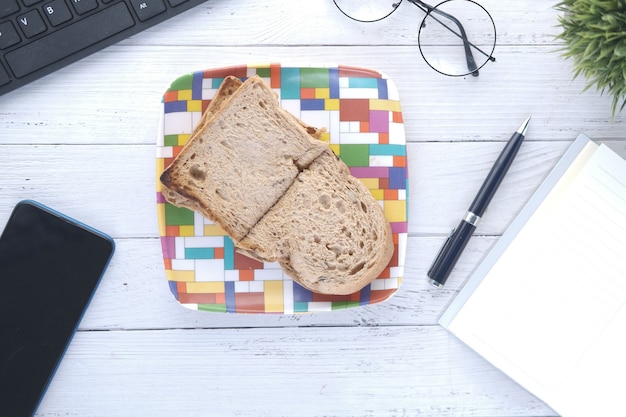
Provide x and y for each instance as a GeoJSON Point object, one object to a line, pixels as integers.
{"type": "Point", "coordinates": [547, 305]}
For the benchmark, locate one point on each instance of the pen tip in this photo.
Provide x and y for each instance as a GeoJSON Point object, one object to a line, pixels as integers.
{"type": "Point", "coordinates": [522, 129]}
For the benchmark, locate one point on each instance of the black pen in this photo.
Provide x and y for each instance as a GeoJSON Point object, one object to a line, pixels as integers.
{"type": "Point", "coordinates": [459, 236]}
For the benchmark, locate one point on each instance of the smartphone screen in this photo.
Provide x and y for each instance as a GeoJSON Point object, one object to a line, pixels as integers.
{"type": "Point", "coordinates": [50, 266]}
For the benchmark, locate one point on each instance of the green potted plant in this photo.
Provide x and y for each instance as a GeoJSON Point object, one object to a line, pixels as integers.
{"type": "Point", "coordinates": [594, 33]}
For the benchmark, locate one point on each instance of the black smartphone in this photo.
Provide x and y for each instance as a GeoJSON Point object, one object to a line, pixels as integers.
{"type": "Point", "coordinates": [50, 266]}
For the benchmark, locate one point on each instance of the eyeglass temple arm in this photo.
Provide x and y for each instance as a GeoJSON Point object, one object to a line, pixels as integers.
{"type": "Point", "coordinates": [469, 57]}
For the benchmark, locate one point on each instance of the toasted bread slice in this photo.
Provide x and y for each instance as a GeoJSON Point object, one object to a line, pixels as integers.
{"type": "Point", "coordinates": [242, 160]}
{"type": "Point", "coordinates": [227, 88]}
{"type": "Point", "coordinates": [327, 231]}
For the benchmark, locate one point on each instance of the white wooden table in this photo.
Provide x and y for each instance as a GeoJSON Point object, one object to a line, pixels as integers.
{"type": "Point", "coordinates": [83, 141]}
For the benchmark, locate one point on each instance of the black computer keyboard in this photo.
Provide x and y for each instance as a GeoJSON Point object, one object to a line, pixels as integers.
{"type": "Point", "coordinates": [38, 37]}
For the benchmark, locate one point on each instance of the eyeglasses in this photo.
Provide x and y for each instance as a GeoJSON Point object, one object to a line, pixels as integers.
{"type": "Point", "coordinates": [445, 28]}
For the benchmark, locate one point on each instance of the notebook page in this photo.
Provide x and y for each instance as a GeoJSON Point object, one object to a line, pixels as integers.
{"type": "Point", "coordinates": [543, 311]}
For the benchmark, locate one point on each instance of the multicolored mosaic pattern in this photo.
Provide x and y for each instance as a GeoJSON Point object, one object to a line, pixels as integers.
{"type": "Point", "coordinates": [360, 109]}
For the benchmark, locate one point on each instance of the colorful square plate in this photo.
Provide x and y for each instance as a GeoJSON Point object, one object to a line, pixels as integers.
{"type": "Point", "coordinates": [360, 109]}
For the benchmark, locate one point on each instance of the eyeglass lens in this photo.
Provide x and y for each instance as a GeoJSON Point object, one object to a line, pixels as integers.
{"type": "Point", "coordinates": [367, 10]}
{"type": "Point", "coordinates": [456, 37]}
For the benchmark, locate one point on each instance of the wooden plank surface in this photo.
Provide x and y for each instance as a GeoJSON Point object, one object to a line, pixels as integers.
{"type": "Point", "coordinates": [390, 370]}
{"type": "Point", "coordinates": [82, 141]}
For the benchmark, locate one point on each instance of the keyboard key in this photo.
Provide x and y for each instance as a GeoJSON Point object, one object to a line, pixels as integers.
{"type": "Point", "coordinates": [75, 37]}
{"type": "Point", "coordinates": [30, 2]}
{"type": "Point", "coordinates": [4, 77]}
{"type": "Point", "coordinates": [84, 6]}
{"type": "Point", "coordinates": [8, 7]}
{"type": "Point", "coordinates": [57, 12]}
{"type": "Point", "coordinates": [8, 35]}
{"type": "Point", "coordinates": [31, 23]}
{"type": "Point", "coordinates": [146, 9]}
{"type": "Point", "coordinates": [175, 3]}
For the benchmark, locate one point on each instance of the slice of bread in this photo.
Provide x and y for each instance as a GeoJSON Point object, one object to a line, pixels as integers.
{"type": "Point", "coordinates": [327, 231]}
{"type": "Point", "coordinates": [242, 160]}
{"type": "Point", "coordinates": [227, 88]}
